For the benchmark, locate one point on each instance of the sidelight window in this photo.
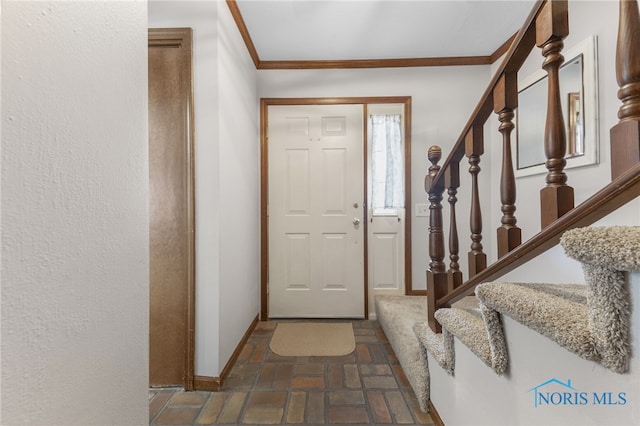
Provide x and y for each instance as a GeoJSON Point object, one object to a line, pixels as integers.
{"type": "Point", "coordinates": [387, 164]}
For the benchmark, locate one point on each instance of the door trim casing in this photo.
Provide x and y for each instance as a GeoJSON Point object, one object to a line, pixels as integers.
{"type": "Point", "coordinates": [264, 187]}
{"type": "Point", "coordinates": [183, 38]}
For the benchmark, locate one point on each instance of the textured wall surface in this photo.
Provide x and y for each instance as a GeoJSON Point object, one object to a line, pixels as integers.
{"type": "Point", "coordinates": [74, 213]}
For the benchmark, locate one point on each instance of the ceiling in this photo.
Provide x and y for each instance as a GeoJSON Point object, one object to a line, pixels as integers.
{"type": "Point", "coordinates": [328, 30]}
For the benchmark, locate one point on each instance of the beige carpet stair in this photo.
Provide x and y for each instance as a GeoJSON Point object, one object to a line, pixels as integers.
{"type": "Point", "coordinates": [397, 316]}
{"type": "Point", "coordinates": [589, 320]}
{"type": "Point", "coordinates": [466, 321]}
{"type": "Point", "coordinates": [440, 346]}
{"type": "Point", "coordinates": [470, 329]}
{"type": "Point", "coordinates": [545, 309]}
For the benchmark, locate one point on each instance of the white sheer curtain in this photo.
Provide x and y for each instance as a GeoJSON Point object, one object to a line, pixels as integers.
{"type": "Point", "coordinates": [387, 193]}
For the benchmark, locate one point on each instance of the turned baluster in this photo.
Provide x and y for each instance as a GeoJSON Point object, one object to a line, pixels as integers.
{"type": "Point", "coordinates": [436, 274]}
{"type": "Point", "coordinates": [452, 183]}
{"type": "Point", "coordinates": [505, 100]}
{"type": "Point", "coordinates": [625, 136]}
{"type": "Point", "coordinates": [552, 26]}
{"type": "Point", "coordinates": [474, 148]}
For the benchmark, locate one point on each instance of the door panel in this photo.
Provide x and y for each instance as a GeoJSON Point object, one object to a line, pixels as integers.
{"type": "Point", "coordinates": [334, 175]}
{"type": "Point", "coordinates": [385, 261]}
{"type": "Point", "coordinates": [316, 250]}
{"type": "Point", "coordinates": [298, 261]}
{"type": "Point", "coordinates": [386, 258]}
{"type": "Point", "coordinates": [334, 268]}
{"type": "Point", "coordinates": [297, 181]}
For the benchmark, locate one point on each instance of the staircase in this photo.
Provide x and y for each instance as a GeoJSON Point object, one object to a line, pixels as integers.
{"type": "Point", "coordinates": [490, 349]}
{"type": "Point", "coordinates": [591, 320]}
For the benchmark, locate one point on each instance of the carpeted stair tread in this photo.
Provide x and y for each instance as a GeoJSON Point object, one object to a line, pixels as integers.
{"type": "Point", "coordinates": [575, 292]}
{"type": "Point", "coordinates": [469, 328]}
{"type": "Point", "coordinates": [470, 304]}
{"type": "Point", "coordinates": [435, 344]}
{"type": "Point", "coordinates": [397, 316]}
{"type": "Point", "coordinates": [615, 247]}
{"type": "Point", "coordinates": [554, 313]}
{"type": "Point", "coordinates": [606, 254]}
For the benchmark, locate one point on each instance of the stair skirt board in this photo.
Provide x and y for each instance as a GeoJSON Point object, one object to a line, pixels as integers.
{"type": "Point", "coordinates": [397, 315]}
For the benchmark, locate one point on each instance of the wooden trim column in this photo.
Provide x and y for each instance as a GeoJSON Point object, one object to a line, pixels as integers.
{"type": "Point", "coordinates": [171, 208]}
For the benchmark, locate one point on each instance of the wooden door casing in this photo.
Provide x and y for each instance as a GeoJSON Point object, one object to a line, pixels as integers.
{"type": "Point", "coordinates": [264, 191]}
{"type": "Point", "coordinates": [171, 209]}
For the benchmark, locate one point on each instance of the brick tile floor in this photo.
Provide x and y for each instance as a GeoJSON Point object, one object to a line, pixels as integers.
{"type": "Point", "coordinates": [367, 386]}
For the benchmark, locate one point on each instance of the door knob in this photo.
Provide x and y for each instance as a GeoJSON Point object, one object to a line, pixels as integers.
{"type": "Point", "coordinates": [356, 221]}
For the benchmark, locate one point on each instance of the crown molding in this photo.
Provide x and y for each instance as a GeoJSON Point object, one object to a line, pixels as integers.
{"type": "Point", "coordinates": [242, 27]}
{"type": "Point", "coordinates": [374, 63]}
{"type": "Point", "coordinates": [358, 63]}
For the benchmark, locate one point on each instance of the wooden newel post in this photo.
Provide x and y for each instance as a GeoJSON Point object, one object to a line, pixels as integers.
{"type": "Point", "coordinates": [505, 100]}
{"type": "Point", "coordinates": [436, 274]}
{"type": "Point", "coordinates": [552, 26]}
{"type": "Point", "coordinates": [474, 148]}
{"type": "Point", "coordinates": [625, 136]}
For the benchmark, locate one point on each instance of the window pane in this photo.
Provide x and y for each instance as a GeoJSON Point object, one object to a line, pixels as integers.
{"type": "Point", "coordinates": [387, 164]}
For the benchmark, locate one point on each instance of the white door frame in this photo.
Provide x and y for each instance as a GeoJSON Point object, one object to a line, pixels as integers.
{"type": "Point", "coordinates": [264, 188]}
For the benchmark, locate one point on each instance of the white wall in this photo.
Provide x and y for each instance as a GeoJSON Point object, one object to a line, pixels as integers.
{"type": "Point", "coordinates": [239, 186]}
{"type": "Point", "coordinates": [227, 194]}
{"type": "Point", "coordinates": [75, 236]}
{"type": "Point", "coordinates": [442, 101]}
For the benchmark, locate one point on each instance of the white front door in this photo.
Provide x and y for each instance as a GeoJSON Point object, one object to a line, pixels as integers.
{"type": "Point", "coordinates": [316, 195]}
